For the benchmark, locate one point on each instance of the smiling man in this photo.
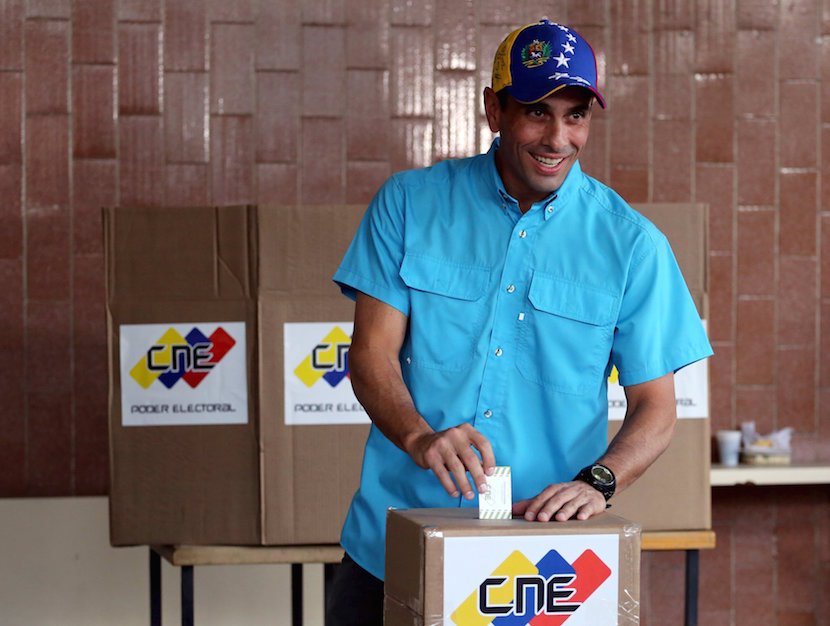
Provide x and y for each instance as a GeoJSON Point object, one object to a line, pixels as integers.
{"type": "Point", "coordinates": [493, 296]}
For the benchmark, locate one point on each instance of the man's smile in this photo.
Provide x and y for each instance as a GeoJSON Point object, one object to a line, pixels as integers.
{"type": "Point", "coordinates": [549, 163]}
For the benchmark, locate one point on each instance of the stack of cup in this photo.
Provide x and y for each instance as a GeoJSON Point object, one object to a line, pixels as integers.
{"type": "Point", "coordinates": [729, 446]}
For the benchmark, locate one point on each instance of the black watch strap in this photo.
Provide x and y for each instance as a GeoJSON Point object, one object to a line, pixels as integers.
{"type": "Point", "coordinates": [600, 478]}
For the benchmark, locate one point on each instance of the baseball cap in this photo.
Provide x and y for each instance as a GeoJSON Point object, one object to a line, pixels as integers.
{"type": "Point", "coordinates": [537, 59]}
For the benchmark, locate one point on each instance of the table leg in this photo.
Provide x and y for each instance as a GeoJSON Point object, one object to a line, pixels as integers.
{"type": "Point", "coordinates": [692, 581]}
{"type": "Point", "coordinates": [329, 571]}
{"type": "Point", "coordinates": [187, 595]}
{"type": "Point", "coordinates": [296, 594]}
{"type": "Point", "coordinates": [155, 588]}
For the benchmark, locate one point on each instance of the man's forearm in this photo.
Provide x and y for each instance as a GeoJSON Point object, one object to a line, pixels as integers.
{"type": "Point", "coordinates": [646, 431]}
{"type": "Point", "coordinates": [378, 385]}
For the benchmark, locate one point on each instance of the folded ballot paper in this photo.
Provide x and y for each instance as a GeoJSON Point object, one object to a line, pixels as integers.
{"type": "Point", "coordinates": [497, 503]}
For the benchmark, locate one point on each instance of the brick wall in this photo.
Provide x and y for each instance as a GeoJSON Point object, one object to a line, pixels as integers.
{"type": "Point", "coordinates": [146, 102]}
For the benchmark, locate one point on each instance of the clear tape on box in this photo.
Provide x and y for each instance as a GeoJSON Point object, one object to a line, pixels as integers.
{"type": "Point", "coordinates": [429, 607]}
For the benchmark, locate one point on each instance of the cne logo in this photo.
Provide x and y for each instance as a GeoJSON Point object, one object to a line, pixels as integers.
{"type": "Point", "coordinates": [328, 360]}
{"type": "Point", "coordinates": [520, 593]}
{"type": "Point", "coordinates": [175, 357]}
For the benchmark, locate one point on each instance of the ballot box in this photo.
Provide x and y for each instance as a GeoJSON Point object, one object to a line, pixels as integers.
{"type": "Point", "coordinates": [446, 566]}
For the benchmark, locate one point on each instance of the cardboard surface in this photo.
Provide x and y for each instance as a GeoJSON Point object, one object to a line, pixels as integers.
{"type": "Point", "coordinates": [261, 481]}
{"type": "Point", "coordinates": [674, 493]}
{"type": "Point", "coordinates": [686, 227]}
{"type": "Point", "coordinates": [309, 472]}
{"type": "Point", "coordinates": [417, 562]}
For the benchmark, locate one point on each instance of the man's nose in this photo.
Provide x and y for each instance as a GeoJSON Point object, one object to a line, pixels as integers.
{"type": "Point", "coordinates": [556, 134]}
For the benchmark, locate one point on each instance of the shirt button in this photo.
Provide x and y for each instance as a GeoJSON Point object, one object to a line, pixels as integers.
{"type": "Point", "coordinates": [488, 414]}
{"type": "Point", "coordinates": [522, 234]}
{"type": "Point", "coordinates": [499, 352]}
{"type": "Point", "coordinates": [550, 210]}
{"type": "Point", "coordinates": [511, 288]}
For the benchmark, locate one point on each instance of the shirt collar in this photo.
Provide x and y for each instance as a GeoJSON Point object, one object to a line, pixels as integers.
{"type": "Point", "coordinates": [557, 199]}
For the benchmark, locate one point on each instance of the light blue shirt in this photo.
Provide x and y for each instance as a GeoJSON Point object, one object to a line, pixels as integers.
{"type": "Point", "coordinates": [515, 321]}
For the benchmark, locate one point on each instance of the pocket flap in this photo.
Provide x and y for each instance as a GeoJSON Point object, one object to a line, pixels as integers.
{"type": "Point", "coordinates": [577, 302]}
{"type": "Point", "coordinates": [445, 278]}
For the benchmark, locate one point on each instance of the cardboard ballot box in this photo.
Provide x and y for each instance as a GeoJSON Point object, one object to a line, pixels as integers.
{"type": "Point", "coordinates": [231, 415]}
{"type": "Point", "coordinates": [445, 566]}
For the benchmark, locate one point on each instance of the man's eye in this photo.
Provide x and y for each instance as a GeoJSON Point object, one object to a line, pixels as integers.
{"type": "Point", "coordinates": [536, 112]}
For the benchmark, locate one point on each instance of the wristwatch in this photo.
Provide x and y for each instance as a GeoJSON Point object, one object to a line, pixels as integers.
{"type": "Point", "coordinates": [600, 478]}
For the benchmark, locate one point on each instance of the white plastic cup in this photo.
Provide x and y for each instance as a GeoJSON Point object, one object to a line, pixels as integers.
{"type": "Point", "coordinates": [729, 446]}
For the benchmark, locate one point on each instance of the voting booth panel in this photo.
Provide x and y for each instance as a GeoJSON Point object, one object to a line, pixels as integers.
{"type": "Point", "coordinates": [675, 494]}
{"type": "Point", "coordinates": [227, 346]}
{"type": "Point", "coordinates": [232, 419]}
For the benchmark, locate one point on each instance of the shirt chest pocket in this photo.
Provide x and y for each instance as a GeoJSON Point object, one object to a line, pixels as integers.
{"type": "Point", "coordinates": [566, 337]}
{"type": "Point", "coordinates": [447, 310]}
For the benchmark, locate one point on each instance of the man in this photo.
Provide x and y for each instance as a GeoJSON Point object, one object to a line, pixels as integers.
{"type": "Point", "coordinates": [493, 296]}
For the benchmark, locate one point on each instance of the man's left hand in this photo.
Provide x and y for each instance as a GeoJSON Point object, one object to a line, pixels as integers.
{"type": "Point", "coordinates": [562, 502]}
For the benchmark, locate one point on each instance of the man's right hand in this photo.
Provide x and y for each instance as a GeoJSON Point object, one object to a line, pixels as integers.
{"type": "Point", "coordinates": [449, 454]}
{"type": "Point", "coordinates": [379, 332]}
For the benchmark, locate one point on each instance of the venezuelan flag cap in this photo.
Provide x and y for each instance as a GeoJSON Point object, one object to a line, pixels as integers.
{"type": "Point", "coordinates": [536, 60]}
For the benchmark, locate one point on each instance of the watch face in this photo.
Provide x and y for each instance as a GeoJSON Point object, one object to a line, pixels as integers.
{"type": "Point", "coordinates": [601, 474]}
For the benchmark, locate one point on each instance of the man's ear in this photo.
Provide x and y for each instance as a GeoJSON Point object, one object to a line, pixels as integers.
{"type": "Point", "coordinates": [492, 108]}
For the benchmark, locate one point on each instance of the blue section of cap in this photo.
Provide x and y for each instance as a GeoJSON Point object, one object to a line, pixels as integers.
{"type": "Point", "coordinates": [546, 56]}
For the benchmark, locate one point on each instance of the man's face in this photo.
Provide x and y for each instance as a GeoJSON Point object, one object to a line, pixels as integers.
{"type": "Point", "coordinates": [540, 142]}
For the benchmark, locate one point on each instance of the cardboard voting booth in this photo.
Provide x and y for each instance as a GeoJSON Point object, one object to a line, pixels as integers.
{"type": "Point", "coordinates": [675, 492]}
{"type": "Point", "coordinates": [232, 419]}
{"type": "Point", "coordinates": [227, 345]}
{"type": "Point", "coordinates": [446, 567]}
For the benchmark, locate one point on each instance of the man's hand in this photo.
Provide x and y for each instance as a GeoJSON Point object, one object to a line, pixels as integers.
{"type": "Point", "coordinates": [379, 332]}
{"type": "Point", "coordinates": [449, 454]}
{"type": "Point", "coordinates": [562, 502]}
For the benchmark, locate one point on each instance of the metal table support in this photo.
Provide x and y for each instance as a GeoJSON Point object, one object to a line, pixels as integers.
{"type": "Point", "coordinates": [692, 582]}
{"type": "Point", "coordinates": [186, 557]}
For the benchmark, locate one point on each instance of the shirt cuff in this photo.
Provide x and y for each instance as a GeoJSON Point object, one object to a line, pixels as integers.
{"type": "Point", "coordinates": [666, 366]}
{"type": "Point", "coordinates": [351, 283]}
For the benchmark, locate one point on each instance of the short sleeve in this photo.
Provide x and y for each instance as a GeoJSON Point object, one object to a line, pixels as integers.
{"type": "Point", "coordinates": [658, 328]}
{"type": "Point", "coordinates": [372, 263]}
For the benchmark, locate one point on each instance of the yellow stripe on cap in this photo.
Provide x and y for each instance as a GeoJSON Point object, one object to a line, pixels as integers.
{"type": "Point", "coordinates": [501, 62]}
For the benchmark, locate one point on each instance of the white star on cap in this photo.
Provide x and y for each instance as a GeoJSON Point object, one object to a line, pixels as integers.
{"type": "Point", "coordinates": [563, 28]}
{"type": "Point", "coordinates": [571, 37]}
{"type": "Point", "coordinates": [562, 60]}
{"type": "Point", "coordinates": [568, 47]}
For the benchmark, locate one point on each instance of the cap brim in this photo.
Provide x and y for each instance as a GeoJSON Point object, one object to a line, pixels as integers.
{"type": "Point", "coordinates": [525, 97]}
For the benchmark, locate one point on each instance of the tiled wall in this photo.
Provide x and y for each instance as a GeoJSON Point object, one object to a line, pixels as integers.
{"type": "Point", "coordinates": [151, 102]}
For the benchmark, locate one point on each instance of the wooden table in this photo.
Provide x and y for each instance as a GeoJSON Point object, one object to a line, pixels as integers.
{"type": "Point", "coordinates": [187, 557]}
